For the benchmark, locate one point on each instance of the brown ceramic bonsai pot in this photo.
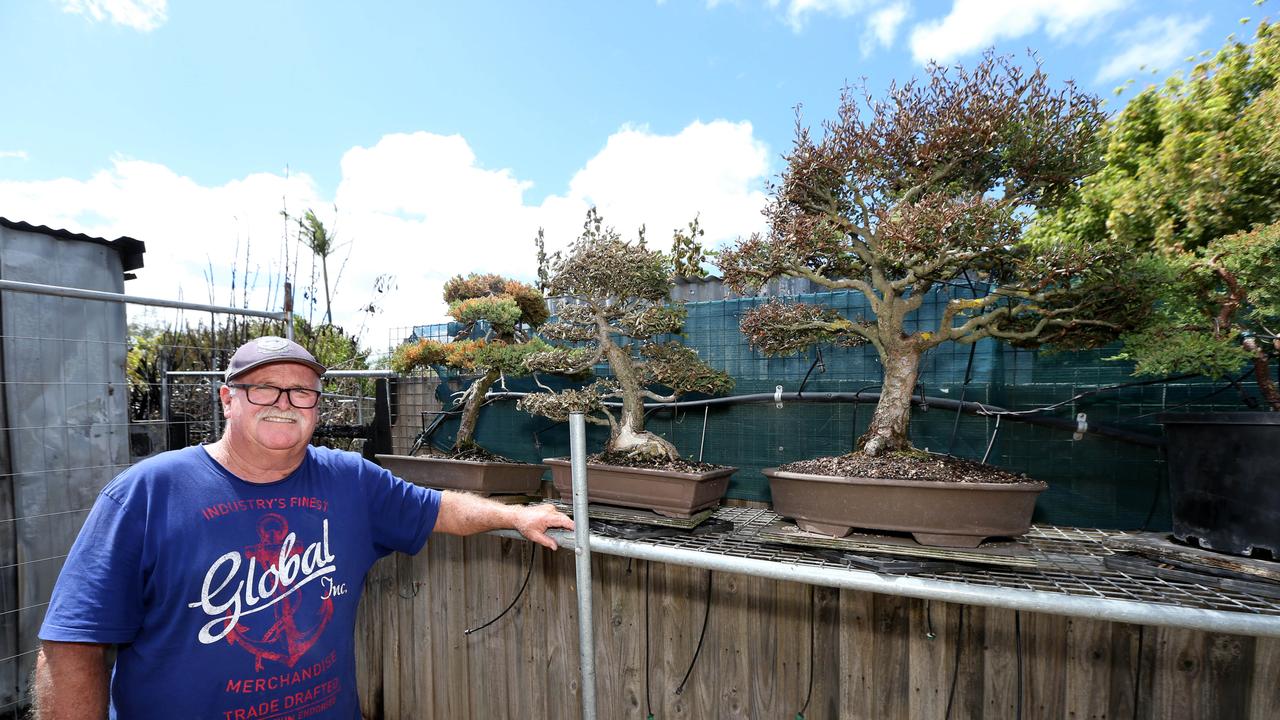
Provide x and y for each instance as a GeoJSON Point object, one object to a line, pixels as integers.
{"type": "Point", "coordinates": [484, 478]}
{"type": "Point", "coordinates": [950, 514]}
{"type": "Point", "coordinates": [673, 494]}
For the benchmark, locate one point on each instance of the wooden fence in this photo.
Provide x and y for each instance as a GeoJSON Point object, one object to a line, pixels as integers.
{"type": "Point", "coordinates": [871, 656]}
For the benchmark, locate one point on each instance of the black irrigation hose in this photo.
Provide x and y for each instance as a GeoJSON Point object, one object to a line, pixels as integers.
{"type": "Point", "coordinates": [532, 552]}
{"type": "Point", "coordinates": [1017, 647]}
{"type": "Point", "coordinates": [816, 362]}
{"type": "Point", "coordinates": [648, 701]}
{"type": "Point", "coordinates": [1137, 673]}
{"type": "Point", "coordinates": [701, 636]}
{"type": "Point", "coordinates": [955, 667]}
{"type": "Point", "coordinates": [813, 603]}
{"type": "Point", "coordinates": [968, 377]}
{"type": "Point", "coordinates": [1230, 384]}
{"type": "Point", "coordinates": [1114, 433]}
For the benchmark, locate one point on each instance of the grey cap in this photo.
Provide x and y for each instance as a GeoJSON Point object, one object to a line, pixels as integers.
{"type": "Point", "coordinates": [270, 349]}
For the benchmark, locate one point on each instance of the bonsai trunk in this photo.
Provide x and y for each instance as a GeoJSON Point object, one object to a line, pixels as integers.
{"type": "Point", "coordinates": [1262, 373]}
{"type": "Point", "coordinates": [888, 429]}
{"type": "Point", "coordinates": [629, 435]}
{"type": "Point", "coordinates": [471, 408]}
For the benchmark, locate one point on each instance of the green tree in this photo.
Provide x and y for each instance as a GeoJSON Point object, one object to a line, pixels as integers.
{"type": "Point", "coordinates": [506, 312]}
{"type": "Point", "coordinates": [322, 244]}
{"type": "Point", "coordinates": [687, 254]}
{"type": "Point", "coordinates": [930, 187]}
{"type": "Point", "coordinates": [1192, 177]}
{"type": "Point", "coordinates": [617, 300]}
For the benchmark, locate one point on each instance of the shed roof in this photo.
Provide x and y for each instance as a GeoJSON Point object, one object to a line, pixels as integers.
{"type": "Point", "coordinates": [130, 250]}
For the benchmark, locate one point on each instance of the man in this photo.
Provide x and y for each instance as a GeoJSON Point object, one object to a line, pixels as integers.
{"type": "Point", "coordinates": [228, 574]}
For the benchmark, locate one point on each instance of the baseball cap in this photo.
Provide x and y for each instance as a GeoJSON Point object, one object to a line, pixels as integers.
{"type": "Point", "coordinates": [270, 349]}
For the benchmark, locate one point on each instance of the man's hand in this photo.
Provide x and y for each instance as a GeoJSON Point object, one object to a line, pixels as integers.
{"type": "Point", "coordinates": [466, 514]}
{"type": "Point", "coordinates": [533, 521]}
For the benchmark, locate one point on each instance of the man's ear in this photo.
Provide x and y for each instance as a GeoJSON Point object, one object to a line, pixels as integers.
{"type": "Point", "coordinates": [224, 394]}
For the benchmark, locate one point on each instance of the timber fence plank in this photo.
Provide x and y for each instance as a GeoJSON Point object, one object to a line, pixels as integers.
{"type": "Point", "coordinates": [891, 666]}
{"type": "Point", "coordinates": [1227, 675]}
{"type": "Point", "coordinates": [424, 627]}
{"type": "Point", "coordinates": [564, 692]}
{"type": "Point", "coordinates": [1125, 677]}
{"type": "Point", "coordinates": [857, 654]}
{"type": "Point", "coordinates": [929, 657]}
{"type": "Point", "coordinates": [1179, 670]}
{"type": "Point", "coordinates": [408, 588]}
{"type": "Point", "coordinates": [1000, 663]}
{"type": "Point", "coordinates": [457, 675]}
{"type": "Point", "coordinates": [1088, 668]}
{"type": "Point", "coordinates": [1045, 665]}
{"type": "Point", "coordinates": [1264, 699]}
{"type": "Point", "coordinates": [369, 634]}
{"type": "Point", "coordinates": [761, 654]}
{"type": "Point", "coordinates": [824, 702]}
{"type": "Point", "coordinates": [730, 633]}
{"type": "Point", "coordinates": [971, 673]}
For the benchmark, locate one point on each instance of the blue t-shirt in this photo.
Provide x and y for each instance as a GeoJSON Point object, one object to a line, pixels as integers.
{"type": "Point", "coordinates": [229, 599]}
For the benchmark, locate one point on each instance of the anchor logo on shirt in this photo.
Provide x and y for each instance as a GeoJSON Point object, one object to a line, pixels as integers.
{"type": "Point", "coordinates": [284, 641]}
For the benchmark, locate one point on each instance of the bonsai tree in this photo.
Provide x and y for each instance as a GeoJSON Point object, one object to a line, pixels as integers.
{"type": "Point", "coordinates": [617, 303]}
{"type": "Point", "coordinates": [931, 187]}
{"type": "Point", "coordinates": [502, 312]}
{"type": "Point", "coordinates": [1192, 178]}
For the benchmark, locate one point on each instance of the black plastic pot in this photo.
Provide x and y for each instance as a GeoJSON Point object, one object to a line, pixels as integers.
{"type": "Point", "coordinates": [1224, 480]}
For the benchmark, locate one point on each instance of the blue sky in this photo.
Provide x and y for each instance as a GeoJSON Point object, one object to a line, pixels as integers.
{"type": "Point", "coordinates": [436, 137]}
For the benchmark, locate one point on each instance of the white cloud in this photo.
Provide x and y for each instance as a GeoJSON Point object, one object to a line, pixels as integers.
{"type": "Point", "coordinates": [798, 10]}
{"type": "Point", "coordinates": [143, 15]}
{"type": "Point", "coordinates": [882, 27]}
{"type": "Point", "coordinates": [418, 206]}
{"type": "Point", "coordinates": [663, 181]}
{"type": "Point", "coordinates": [973, 25]}
{"type": "Point", "coordinates": [18, 154]}
{"type": "Point", "coordinates": [1156, 44]}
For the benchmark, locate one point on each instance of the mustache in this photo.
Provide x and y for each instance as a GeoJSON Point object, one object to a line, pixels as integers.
{"type": "Point", "coordinates": [282, 414]}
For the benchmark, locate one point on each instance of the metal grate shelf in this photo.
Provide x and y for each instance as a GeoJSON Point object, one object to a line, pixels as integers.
{"type": "Point", "coordinates": [1071, 578]}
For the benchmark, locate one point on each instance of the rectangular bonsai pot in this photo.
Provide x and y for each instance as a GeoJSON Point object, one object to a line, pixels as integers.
{"type": "Point", "coordinates": [952, 514]}
{"type": "Point", "coordinates": [673, 494]}
{"type": "Point", "coordinates": [484, 478]}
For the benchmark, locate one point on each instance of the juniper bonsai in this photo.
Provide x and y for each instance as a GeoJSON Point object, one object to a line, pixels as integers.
{"type": "Point", "coordinates": [506, 311]}
{"type": "Point", "coordinates": [930, 187]}
{"type": "Point", "coordinates": [617, 303]}
{"type": "Point", "coordinates": [1192, 177]}
{"type": "Point", "coordinates": [1218, 311]}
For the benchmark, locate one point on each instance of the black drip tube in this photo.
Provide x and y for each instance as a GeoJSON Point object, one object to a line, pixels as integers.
{"type": "Point", "coordinates": [974, 408]}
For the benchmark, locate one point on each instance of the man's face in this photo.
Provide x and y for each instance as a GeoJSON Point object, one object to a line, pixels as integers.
{"type": "Point", "coordinates": [275, 427]}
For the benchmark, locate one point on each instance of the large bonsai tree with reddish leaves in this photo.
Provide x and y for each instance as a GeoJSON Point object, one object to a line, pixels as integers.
{"type": "Point", "coordinates": [502, 313]}
{"type": "Point", "coordinates": [931, 186]}
{"type": "Point", "coordinates": [617, 301]}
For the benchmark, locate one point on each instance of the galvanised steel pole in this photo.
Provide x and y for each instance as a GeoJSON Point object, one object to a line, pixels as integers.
{"type": "Point", "coordinates": [582, 559]}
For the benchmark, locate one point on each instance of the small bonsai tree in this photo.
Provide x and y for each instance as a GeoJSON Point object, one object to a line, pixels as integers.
{"type": "Point", "coordinates": [1192, 177]}
{"type": "Point", "coordinates": [932, 187]}
{"type": "Point", "coordinates": [503, 312]}
{"type": "Point", "coordinates": [617, 296]}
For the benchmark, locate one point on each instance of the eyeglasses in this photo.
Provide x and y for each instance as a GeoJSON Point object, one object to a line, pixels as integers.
{"type": "Point", "coordinates": [301, 398]}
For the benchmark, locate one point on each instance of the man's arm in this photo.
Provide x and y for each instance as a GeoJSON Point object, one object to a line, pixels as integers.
{"type": "Point", "coordinates": [466, 514]}
{"type": "Point", "coordinates": [70, 681]}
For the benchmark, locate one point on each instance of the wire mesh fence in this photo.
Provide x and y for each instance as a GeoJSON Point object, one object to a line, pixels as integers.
{"type": "Point", "coordinates": [83, 395]}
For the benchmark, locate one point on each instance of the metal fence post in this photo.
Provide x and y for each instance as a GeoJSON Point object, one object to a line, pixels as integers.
{"type": "Point", "coordinates": [582, 552]}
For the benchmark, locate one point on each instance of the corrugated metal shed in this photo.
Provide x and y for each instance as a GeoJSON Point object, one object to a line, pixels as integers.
{"type": "Point", "coordinates": [64, 424]}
